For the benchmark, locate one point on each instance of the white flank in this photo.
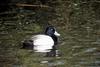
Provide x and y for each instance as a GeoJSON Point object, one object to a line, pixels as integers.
{"type": "Point", "coordinates": [42, 43]}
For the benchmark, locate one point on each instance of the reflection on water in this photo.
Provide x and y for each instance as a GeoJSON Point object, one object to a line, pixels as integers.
{"type": "Point", "coordinates": [53, 63]}
{"type": "Point", "coordinates": [77, 52]}
{"type": "Point", "coordinates": [78, 49]}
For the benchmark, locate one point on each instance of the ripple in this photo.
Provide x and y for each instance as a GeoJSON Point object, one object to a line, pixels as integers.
{"type": "Point", "coordinates": [90, 50]}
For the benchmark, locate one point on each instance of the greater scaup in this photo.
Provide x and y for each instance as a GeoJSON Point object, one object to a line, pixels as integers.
{"type": "Point", "coordinates": [44, 42]}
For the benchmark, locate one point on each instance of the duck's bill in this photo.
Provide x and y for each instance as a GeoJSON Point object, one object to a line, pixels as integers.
{"type": "Point", "coordinates": [56, 33]}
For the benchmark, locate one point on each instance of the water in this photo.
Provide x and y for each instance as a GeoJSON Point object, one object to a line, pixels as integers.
{"type": "Point", "coordinates": [79, 48]}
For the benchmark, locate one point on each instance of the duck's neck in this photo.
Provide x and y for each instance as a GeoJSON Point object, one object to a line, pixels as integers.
{"type": "Point", "coordinates": [55, 39]}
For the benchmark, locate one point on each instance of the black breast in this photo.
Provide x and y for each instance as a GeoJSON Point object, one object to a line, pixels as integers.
{"type": "Point", "coordinates": [55, 39]}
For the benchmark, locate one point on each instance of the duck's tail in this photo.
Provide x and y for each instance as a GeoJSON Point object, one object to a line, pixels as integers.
{"type": "Point", "coordinates": [27, 44]}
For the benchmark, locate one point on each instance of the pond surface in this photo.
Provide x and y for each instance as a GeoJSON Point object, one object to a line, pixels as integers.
{"type": "Point", "coordinates": [79, 48]}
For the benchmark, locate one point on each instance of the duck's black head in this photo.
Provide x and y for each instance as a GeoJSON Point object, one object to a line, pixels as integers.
{"type": "Point", "coordinates": [51, 31]}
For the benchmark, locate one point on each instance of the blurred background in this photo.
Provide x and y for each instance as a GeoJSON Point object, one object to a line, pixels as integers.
{"type": "Point", "coordinates": [78, 22]}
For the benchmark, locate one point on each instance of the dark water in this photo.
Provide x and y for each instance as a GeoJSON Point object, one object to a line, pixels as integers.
{"type": "Point", "coordinates": [80, 47]}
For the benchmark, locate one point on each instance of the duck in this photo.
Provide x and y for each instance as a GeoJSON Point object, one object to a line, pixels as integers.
{"type": "Point", "coordinates": [44, 43]}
